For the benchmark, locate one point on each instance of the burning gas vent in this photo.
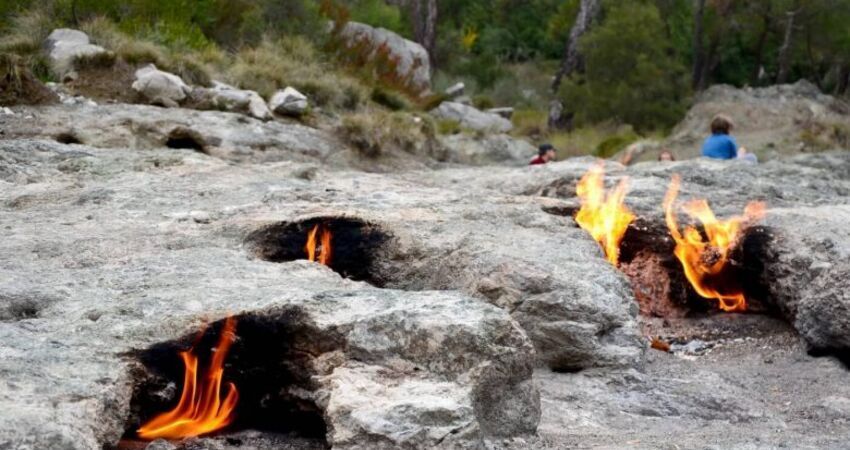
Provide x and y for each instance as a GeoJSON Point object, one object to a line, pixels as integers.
{"type": "Point", "coordinates": [349, 246]}
{"type": "Point", "coordinates": [243, 373]}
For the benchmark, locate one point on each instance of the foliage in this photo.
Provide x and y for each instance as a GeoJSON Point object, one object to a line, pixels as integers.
{"type": "Point", "coordinates": [630, 75]}
{"type": "Point", "coordinates": [375, 133]}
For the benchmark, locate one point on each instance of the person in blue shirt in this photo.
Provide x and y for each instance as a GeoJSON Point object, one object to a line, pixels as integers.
{"type": "Point", "coordinates": [720, 145]}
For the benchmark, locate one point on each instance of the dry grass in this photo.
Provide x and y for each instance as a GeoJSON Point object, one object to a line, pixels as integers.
{"type": "Point", "coordinates": [376, 133]}
{"type": "Point", "coordinates": [293, 61]}
{"type": "Point", "coordinates": [18, 85]}
{"type": "Point", "coordinates": [192, 67]}
{"type": "Point", "coordinates": [529, 122]}
{"type": "Point", "coordinates": [602, 140]}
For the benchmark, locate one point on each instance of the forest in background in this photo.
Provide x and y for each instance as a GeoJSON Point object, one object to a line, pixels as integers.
{"type": "Point", "coordinates": [634, 63]}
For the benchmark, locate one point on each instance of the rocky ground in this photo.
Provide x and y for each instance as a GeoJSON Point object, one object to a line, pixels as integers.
{"type": "Point", "coordinates": [463, 308]}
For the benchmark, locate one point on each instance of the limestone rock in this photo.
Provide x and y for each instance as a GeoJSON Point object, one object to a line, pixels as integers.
{"type": "Point", "coordinates": [473, 118]}
{"type": "Point", "coordinates": [161, 88]}
{"type": "Point", "coordinates": [289, 102]}
{"type": "Point", "coordinates": [413, 60]}
{"type": "Point", "coordinates": [64, 45]}
{"type": "Point", "coordinates": [490, 149]}
{"type": "Point", "coordinates": [222, 97]}
{"type": "Point", "coordinates": [455, 90]}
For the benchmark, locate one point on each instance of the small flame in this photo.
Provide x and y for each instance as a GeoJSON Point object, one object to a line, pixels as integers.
{"type": "Point", "coordinates": [201, 409]}
{"type": "Point", "coordinates": [606, 218]}
{"type": "Point", "coordinates": [323, 249]}
{"type": "Point", "coordinates": [703, 261]}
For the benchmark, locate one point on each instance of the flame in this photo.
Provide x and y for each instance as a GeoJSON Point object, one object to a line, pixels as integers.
{"type": "Point", "coordinates": [323, 249]}
{"type": "Point", "coordinates": [703, 261]}
{"type": "Point", "coordinates": [606, 218]}
{"type": "Point", "coordinates": [201, 409]}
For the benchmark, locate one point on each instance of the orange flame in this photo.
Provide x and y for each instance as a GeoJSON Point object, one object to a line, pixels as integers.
{"type": "Point", "coordinates": [323, 250]}
{"type": "Point", "coordinates": [200, 409]}
{"type": "Point", "coordinates": [703, 261]}
{"type": "Point", "coordinates": [606, 218]}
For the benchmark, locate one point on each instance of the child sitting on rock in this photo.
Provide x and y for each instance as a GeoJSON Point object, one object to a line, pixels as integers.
{"type": "Point", "coordinates": [720, 145]}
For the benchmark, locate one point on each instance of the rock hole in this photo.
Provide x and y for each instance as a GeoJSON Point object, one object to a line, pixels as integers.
{"type": "Point", "coordinates": [67, 138]}
{"type": "Point", "coordinates": [661, 287]}
{"type": "Point", "coordinates": [184, 138]}
{"type": "Point", "coordinates": [272, 362]}
{"type": "Point", "coordinates": [357, 246]}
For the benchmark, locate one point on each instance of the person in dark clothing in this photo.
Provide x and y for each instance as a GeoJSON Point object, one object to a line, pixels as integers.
{"type": "Point", "coordinates": [720, 145]}
{"type": "Point", "coordinates": [545, 154]}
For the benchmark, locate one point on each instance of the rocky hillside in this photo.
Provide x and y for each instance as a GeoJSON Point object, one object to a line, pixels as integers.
{"type": "Point", "coordinates": [445, 305]}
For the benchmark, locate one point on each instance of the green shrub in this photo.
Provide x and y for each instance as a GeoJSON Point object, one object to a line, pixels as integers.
{"type": "Point", "coordinates": [611, 145]}
{"type": "Point", "coordinates": [482, 101]}
{"type": "Point", "coordinates": [448, 126]}
{"type": "Point", "coordinates": [375, 133]}
{"type": "Point", "coordinates": [529, 122]}
{"type": "Point", "coordinates": [390, 99]}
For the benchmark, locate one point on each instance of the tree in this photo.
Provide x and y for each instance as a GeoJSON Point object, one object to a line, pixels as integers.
{"type": "Point", "coordinates": [424, 15]}
{"type": "Point", "coordinates": [785, 50]}
{"type": "Point", "coordinates": [631, 75]}
{"type": "Point", "coordinates": [588, 10]}
{"type": "Point", "coordinates": [698, 51]}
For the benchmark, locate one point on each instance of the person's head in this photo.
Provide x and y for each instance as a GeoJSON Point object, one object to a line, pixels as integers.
{"type": "Point", "coordinates": [721, 124]}
{"type": "Point", "coordinates": [666, 155]}
{"type": "Point", "coordinates": [546, 152]}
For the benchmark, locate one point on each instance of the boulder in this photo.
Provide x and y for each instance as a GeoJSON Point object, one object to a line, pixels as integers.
{"type": "Point", "coordinates": [413, 60]}
{"type": "Point", "coordinates": [64, 45]}
{"type": "Point", "coordinates": [472, 118]}
{"type": "Point", "coordinates": [505, 111]}
{"type": "Point", "coordinates": [500, 149]}
{"type": "Point", "coordinates": [289, 102]}
{"type": "Point", "coordinates": [160, 88]}
{"type": "Point", "coordinates": [223, 97]}
{"type": "Point", "coordinates": [455, 90]}
{"type": "Point", "coordinates": [770, 121]}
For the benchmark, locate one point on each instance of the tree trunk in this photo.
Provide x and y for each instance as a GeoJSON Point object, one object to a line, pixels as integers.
{"type": "Point", "coordinates": [765, 31]}
{"type": "Point", "coordinates": [699, 55]}
{"type": "Point", "coordinates": [785, 50]}
{"type": "Point", "coordinates": [424, 15]}
{"type": "Point", "coordinates": [588, 10]}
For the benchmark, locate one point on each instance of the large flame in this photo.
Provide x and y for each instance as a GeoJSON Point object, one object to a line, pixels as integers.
{"type": "Point", "coordinates": [704, 260]}
{"type": "Point", "coordinates": [322, 249]}
{"type": "Point", "coordinates": [605, 217]}
{"type": "Point", "coordinates": [201, 409]}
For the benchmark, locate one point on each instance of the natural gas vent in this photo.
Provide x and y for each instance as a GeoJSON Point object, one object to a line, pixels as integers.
{"type": "Point", "coordinates": [185, 138]}
{"type": "Point", "coordinates": [349, 246]}
{"type": "Point", "coordinates": [68, 138]}
{"type": "Point", "coordinates": [269, 364]}
{"type": "Point", "coordinates": [661, 287]}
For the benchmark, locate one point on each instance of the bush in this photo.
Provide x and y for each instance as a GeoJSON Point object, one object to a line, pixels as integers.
{"type": "Point", "coordinates": [390, 99]}
{"type": "Point", "coordinates": [630, 75]}
{"type": "Point", "coordinates": [448, 126]}
{"type": "Point", "coordinates": [376, 133]}
{"type": "Point", "coordinates": [529, 122]}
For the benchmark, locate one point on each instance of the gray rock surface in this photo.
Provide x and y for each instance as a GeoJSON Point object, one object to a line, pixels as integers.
{"type": "Point", "coordinates": [413, 60]}
{"type": "Point", "coordinates": [64, 45]}
{"type": "Point", "coordinates": [222, 97]}
{"type": "Point", "coordinates": [472, 118]}
{"type": "Point", "coordinates": [161, 88]}
{"type": "Point", "coordinates": [229, 136]}
{"type": "Point", "coordinates": [389, 368]}
{"type": "Point", "coordinates": [289, 102]}
{"type": "Point", "coordinates": [489, 149]}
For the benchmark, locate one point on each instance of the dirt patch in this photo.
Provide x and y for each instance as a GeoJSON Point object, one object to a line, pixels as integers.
{"type": "Point", "coordinates": [104, 84]}
{"type": "Point", "coordinates": [18, 85]}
